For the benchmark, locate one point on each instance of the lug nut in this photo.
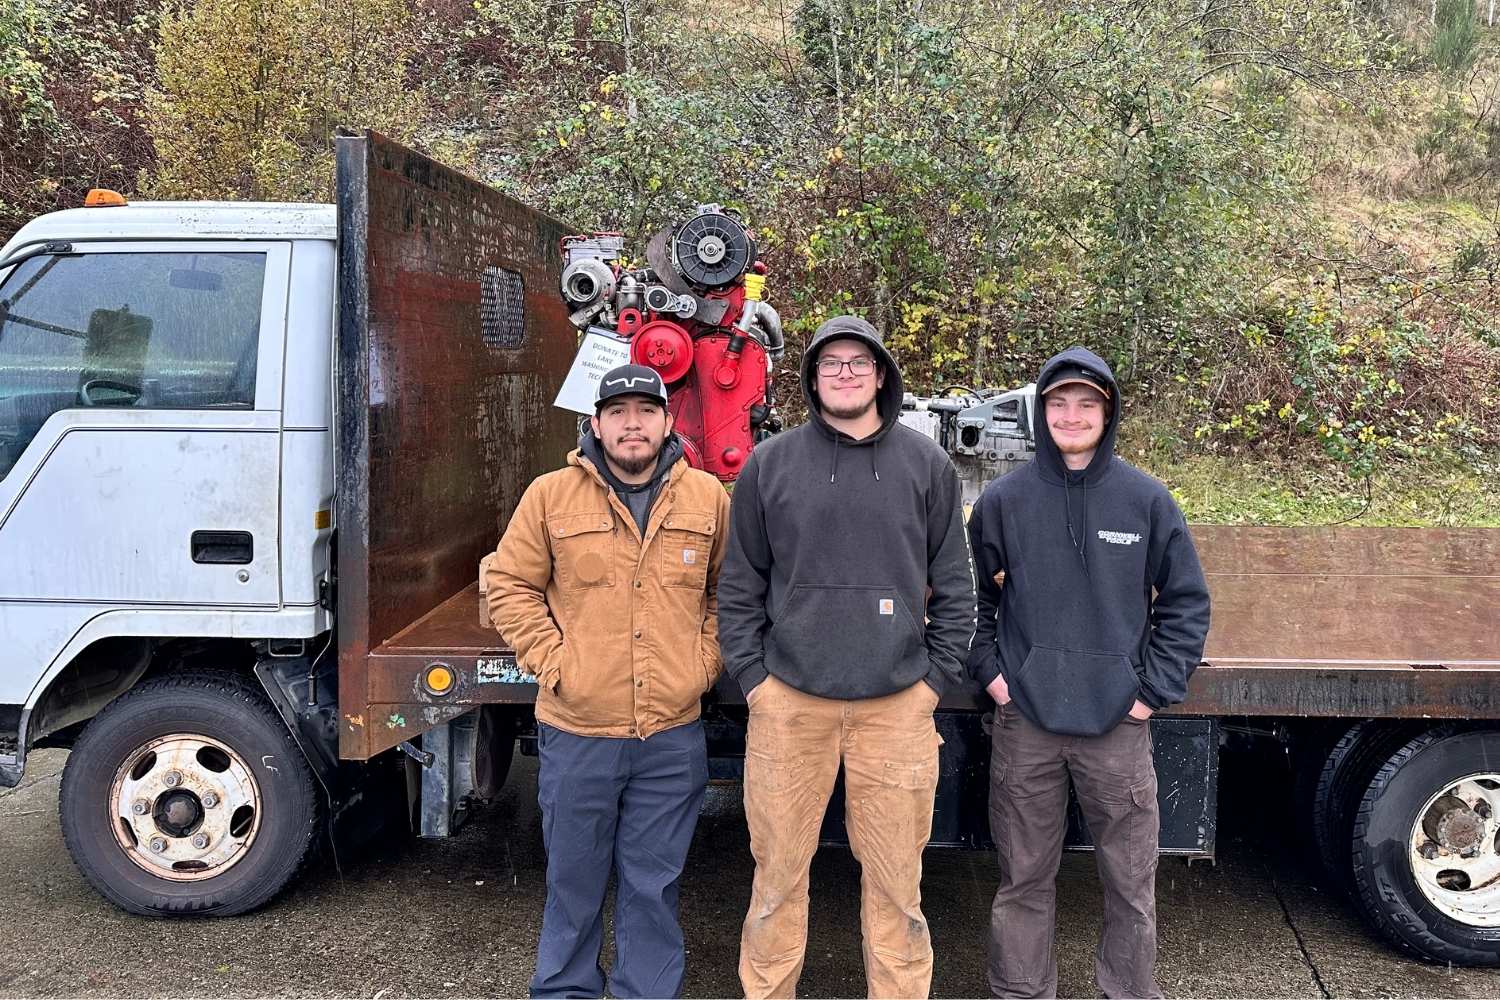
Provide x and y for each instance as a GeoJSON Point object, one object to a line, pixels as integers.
{"type": "Point", "coordinates": [158, 844]}
{"type": "Point", "coordinates": [1429, 850]}
{"type": "Point", "coordinates": [200, 841]}
{"type": "Point", "coordinates": [210, 800]}
{"type": "Point", "coordinates": [140, 807]}
{"type": "Point", "coordinates": [1482, 809]}
{"type": "Point", "coordinates": [172, 779]}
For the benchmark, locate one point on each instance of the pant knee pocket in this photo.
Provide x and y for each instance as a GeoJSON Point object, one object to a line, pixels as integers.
{"type": "Point", "coordinates": [911, 777]}
{"type": "Point", "coordinates": [773, 775]}
{"type": "Point", "coordinates": [1143, 828]}
{"type": "Point", "coordinates": [918, 770]}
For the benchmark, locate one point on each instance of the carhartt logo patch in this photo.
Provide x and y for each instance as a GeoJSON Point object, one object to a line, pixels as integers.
{"type": "Point", "coordinates": [1119, 537]}
{"type": "Point", "coordinates": [689, 556]}
{"type": "Point", "coordinates": [887, 606]}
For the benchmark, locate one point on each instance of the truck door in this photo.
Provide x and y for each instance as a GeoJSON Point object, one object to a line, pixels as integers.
{"type": "Point", "coordinates": [139, 429]}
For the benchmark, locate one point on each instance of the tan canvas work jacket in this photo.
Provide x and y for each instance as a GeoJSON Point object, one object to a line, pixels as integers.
{"type": "Point", "coordinates": [621, 631]}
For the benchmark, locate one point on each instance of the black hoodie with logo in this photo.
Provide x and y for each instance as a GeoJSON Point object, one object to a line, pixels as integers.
{"type": "Point", "coordinates": [1090, 590]}
{"type": "Point", "coordinates": [834, 544]}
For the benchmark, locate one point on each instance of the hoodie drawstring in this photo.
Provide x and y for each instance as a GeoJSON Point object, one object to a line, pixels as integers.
{"type": "Point", "coordinates": [1068, 508]}
{"type": "Point", "coordinates": [1085, 550]}
{"type": "Point", "coordinates": [833, 472]}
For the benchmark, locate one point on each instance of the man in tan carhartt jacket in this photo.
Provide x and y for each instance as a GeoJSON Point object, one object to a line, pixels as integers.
{"type": "Point", "coordinates": [605, 584]}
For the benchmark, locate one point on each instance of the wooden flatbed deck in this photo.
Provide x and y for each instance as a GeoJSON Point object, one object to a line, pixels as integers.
{"type": "Point", "coordinates": [1397, 622]}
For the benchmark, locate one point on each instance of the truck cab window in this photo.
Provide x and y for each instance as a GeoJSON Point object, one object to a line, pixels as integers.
{"type": "Point", "coordinates": [145, 330]}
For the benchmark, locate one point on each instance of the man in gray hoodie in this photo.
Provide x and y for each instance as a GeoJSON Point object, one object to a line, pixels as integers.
{"type": "Point", "coordinates": [846, 605]}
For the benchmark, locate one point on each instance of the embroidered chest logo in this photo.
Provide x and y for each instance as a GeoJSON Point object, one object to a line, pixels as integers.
{"type": "Point", "coordinates": [1119, 537]}
{"type": "Point", "coordinates": [689, 556]}
{"type": "Point", "coordinates": [887, 606]}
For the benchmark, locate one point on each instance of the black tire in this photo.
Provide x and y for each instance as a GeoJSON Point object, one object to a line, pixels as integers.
{"type": "Point", "coordinates": [1384, 884]}
{"type": "Point", "coordinates": [1345, 775]}
{"type": "Point", "coordinates": [497, 733]}
{"type": "Point", "coordinates": [226, 708]}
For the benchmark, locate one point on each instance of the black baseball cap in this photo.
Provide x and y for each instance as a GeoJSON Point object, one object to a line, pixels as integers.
{"type": "Point", "coordinates": [630, 380]}
{"type": "Point", "coordinates": [1077, 375]}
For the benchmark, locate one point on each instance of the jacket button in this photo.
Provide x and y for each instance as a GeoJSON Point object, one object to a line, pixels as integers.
{"type": "Point", "coordinates": [640, 683]}
{"type": "Point", "coordinates": [637, 633]}
{"type": "Point", "coordinates": [637, 585]}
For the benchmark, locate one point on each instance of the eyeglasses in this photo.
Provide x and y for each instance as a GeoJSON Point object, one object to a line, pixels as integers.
{"type": "Point", "coordinates": [832, 367]}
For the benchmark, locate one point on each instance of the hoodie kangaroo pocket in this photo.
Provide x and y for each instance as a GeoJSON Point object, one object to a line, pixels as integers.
{"type": "Point", "coordinates": [1074, 692]}
{"type": "Point", "coordinates": [831, 627]}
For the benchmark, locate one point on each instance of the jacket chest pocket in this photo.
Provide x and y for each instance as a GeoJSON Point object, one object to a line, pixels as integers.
{"type": "Point", "coordinates": [582, 550]}
{"type": "Point", "coordinates": [686, 540]}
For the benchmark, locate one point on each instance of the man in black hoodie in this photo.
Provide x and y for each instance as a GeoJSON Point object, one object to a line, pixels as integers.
{"type": "Point", "coordinates": [1093, 611]}
{"type": "Point", "coordinates": [846, 605]}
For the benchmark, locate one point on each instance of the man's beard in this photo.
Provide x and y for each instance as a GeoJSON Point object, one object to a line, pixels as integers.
{"type": "Point", "coordinates": [1079, 448]}
{"type": "Point", "coordinates": [634, 466]}
{"type": "Point", "coordinates": [848, 413]}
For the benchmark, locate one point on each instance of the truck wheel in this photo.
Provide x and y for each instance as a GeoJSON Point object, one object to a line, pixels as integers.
{"type": "Point", "coordinates": [1426, 847]}
{"type": "Point", "coordinates": [187, 796]}
{"type": "Point", "coordinates": [1341, 784]}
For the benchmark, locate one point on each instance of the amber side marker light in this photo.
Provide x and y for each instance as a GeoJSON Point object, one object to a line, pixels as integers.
{"type": "Point", "coordinates": [104, 198]}
{"type": "Point", "coordinates": [438, 679]}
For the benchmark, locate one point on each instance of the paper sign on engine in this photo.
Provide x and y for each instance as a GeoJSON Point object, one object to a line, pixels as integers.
{"type": "Point", "coordinates": [599, 352]}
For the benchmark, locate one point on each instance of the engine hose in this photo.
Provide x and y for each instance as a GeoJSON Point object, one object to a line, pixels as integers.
{"type": "Point", "coordinates": [765, 326]}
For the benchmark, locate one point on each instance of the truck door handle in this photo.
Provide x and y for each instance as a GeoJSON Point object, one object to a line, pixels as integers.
{"type": "Point", "coordinates": [223, 547]}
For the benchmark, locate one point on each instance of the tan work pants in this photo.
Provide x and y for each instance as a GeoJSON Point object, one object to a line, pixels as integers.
{"type": "Point", "coordinates": [889, 749]}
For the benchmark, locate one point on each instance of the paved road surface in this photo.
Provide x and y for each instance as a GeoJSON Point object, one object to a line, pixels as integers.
{"type": "Point", "coordinates": [460, 917]}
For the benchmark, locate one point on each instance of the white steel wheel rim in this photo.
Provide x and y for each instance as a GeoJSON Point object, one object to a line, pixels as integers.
{"type": "Point", "coordinates": [185, 807]}
{"type": "Point", "coordinates": [1463, 883]}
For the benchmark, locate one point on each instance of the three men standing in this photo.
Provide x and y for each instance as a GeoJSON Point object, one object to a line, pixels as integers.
{"type": "Point", "coordinates": [845, 609]}
{"type": "Point", "coordinates": [1093, 612]}
{"type": "Point", "coordinates": [604, 584]}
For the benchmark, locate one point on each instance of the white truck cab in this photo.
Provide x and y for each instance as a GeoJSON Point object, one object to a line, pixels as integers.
{"type": "Point", "coordinates": [165, 446]}
{"type": "Point", "coordinates": [166, 452]}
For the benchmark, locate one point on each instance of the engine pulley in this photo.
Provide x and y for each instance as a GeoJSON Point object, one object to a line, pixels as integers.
{"type": "Point", "coordinates": [664, 346]}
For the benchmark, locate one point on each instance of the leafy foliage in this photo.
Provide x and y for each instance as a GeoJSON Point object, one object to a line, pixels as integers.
{"type": "Point", "coordinates": [70, 101]}
{"type": "Point", "coordinates": [1278, 220]}
{"type": "Point", "coordinates": [250, 92]}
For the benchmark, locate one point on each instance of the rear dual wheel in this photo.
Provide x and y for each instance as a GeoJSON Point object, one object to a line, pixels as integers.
{"type": "Point", "coordinates": [1426, 847]}
{"type": "Point", "coordinates": [1347, 769]}
{"type": "Point", "coordinates": [1407, 820]}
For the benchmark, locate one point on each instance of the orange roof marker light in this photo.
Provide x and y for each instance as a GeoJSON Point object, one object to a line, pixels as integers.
{"type": "Point", "coordinates": [104, 198]}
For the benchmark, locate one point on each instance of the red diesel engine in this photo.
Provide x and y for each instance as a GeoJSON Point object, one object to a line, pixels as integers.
{"type": "Point", "coordinates": [695, 314]}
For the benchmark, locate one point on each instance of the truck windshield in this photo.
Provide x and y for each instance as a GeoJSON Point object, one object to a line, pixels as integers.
{"type": "Point", "coordinates": [141, 329]}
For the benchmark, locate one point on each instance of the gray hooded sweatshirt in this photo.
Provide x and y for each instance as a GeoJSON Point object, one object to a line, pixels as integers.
{"type": "Point", "coordinates": [833, 546]}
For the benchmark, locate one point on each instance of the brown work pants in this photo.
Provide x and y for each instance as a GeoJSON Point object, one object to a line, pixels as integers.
{"type": "Point", "coordinates": [1114, 776]}
{"type": "Point", "coordinates": [889, 749]}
